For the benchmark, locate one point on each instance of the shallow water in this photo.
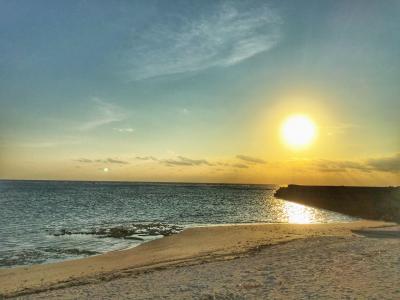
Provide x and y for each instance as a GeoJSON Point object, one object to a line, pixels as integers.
{"type": "Point", "coordinates": [47, 221]}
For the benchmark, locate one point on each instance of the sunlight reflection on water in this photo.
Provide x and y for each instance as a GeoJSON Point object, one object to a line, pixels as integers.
{"type": "Point", "coordinates": [299, 214]}
{"type": "Point", "coordinates": [296, 213]}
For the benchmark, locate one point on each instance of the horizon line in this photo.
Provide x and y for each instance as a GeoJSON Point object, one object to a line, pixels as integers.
{"type": "Point", "coordinates": [188, 182]}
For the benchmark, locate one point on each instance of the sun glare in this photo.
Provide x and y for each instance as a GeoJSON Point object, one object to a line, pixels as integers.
{"type": "Point", "coordinates": [298, 131]}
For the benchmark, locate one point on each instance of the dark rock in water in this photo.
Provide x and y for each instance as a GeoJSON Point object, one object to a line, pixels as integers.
{"type": "Point", "coordinates": [62, 232]}
{"type": "Point", "coordinates": [380, 203]}
{"type": "Point", "coordinates": [126, 231]}
{"type": "Point", "coordinates": [134, 238]}
{"type": "Point", "coordinates": [119, 232]}
{"type": "Point", "coordinates": [70, 251]}
{"type": "Point", "coordinates": [80, 252]}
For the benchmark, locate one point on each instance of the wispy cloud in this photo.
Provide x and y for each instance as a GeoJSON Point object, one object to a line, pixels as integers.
{"type": "Point", "coordinates": [125, 130]}
{"type": "Point", "coordinates": [115, 161]}
{"type": "Point", "coordinates": [178, 161]}
{"type": "Point", "coordinates": [240, 166]}
{"type": "Point", "coordinates": [104, 113]}
{"type": "Point", "coordinates": [389, 164]}
{"type": "Point", "coordinates": [251, 159]}
{"type": "Point", "coordinates": [184, 161]}
{"type": "Point", "coordinates": [146, 158]}
{"type": "Point", "coordinates": [324, 165]}
{"type": "Point", "coordinates": [106, 160]}
{"type": "Point", "coordinates": [225, 35]}
{"type": "Point", "coordinates": [84, 160]}
{"type": "Point", "coordinates": [386, 164]}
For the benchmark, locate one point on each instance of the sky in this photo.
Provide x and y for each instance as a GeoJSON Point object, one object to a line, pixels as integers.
{"type": "Point", "coordinates": [196, 91]}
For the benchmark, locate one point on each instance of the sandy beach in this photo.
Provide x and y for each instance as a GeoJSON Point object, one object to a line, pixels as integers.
{"type": "Point", "coordinates": [242, 261]}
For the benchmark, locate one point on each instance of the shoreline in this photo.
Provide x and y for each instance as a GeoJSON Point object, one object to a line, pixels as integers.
{"type": "Point", "coordinates": [152, 238]}
{"type": "Point", "coordinates": [191, 246]}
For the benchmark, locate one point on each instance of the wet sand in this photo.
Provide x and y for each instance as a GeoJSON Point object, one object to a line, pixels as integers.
{"type": "Point", "coordinates": [225, 262]}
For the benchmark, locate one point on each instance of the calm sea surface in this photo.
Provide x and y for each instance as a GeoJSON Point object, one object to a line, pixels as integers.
{"type": "Point", "coordinates": [47, 221]}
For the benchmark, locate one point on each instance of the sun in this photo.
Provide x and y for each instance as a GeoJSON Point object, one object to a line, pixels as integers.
{"type": "Point", "coordinates": [298, 131]}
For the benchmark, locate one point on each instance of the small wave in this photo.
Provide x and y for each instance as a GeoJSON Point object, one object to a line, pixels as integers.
{"type": "Point", "coordinates": [41, 255]}
{"type": "Point", "coordinates": [22, 257]}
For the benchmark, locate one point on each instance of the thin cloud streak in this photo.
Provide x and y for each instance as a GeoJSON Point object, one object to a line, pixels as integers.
{"type": "Point", "coordinates": [340, 166]}
{"type": "Point", "coordinates": [240, 166]}
{"type": "Point", "coordinates": [146, 158]}
{"type": "Point", "coordinates": [389, 164]}
{"type": "Point", "coordinates": [107, 160]}
{"type": "Point", "coordinates": [106, 113]}
{"type": "Point", "coordinates": [178, 161]}
{"type": "Point", "coordinates": [184, 161]}
{"type": "Point", "coordinates": [386, 164]}
{"type": "Point", "coordinates": [84, 160]}
{"type": "Point", "coordinates": [125, 130]}
{"type": "Point", "coordinates": [251, 159]}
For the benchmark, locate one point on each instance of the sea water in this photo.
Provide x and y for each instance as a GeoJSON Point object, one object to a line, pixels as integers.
{"type": "Point", "coordinates": [48, 221]}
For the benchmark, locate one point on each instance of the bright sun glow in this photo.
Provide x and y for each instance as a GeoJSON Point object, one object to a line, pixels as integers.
{"type": "Point", "coordinates": [298, 131]}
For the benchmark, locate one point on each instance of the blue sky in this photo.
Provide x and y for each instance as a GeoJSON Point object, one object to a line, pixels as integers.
{"type": "Point", "coordinates": [203, 80]}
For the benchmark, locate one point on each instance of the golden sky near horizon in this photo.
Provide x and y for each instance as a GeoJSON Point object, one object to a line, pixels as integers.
{"type": "Point", "coordinates": [268, 155]}
{"type": "Point", "coordinates": [241, 92]}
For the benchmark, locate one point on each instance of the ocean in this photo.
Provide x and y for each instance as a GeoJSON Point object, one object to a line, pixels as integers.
{"type": "Point", "coordinates": [50, 221]}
